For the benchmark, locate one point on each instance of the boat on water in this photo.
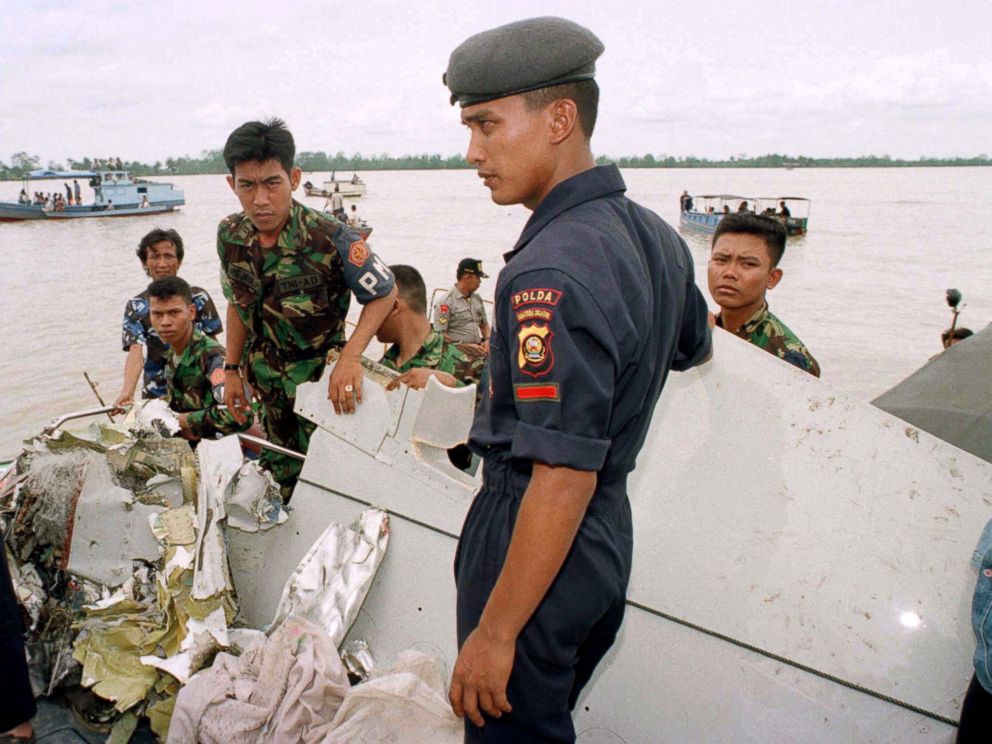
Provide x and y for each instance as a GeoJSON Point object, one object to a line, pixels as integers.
{"type": "Point", "coordinates": [116, 193]}
{"type": "Point", "coordinates": [709, 209]}
{"type": "Point", "coordinates": [354, 188]}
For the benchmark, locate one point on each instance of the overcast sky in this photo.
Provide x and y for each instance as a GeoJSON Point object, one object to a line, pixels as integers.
{"type": "Point", "coordinates": [148, 80]}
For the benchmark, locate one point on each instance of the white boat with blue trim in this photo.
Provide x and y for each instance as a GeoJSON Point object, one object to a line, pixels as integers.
{"type": "Point", "coordinates": [116, 193]}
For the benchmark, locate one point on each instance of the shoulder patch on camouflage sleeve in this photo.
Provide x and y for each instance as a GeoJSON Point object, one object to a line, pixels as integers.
{"type": "Point", "coordinates": [358, 253]}
{"type": "Point", "coordinates": [217, 376]}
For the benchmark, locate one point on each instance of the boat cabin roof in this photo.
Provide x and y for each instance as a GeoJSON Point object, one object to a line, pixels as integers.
{"type": "Point", "coordinates": [728, 197]}
{"type": "Point", "coordinates": [45, 173]}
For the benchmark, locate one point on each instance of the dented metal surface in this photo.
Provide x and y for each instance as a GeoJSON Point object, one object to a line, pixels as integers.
{"type": "Point", "coordinates": [756, 482]}
{"type": "Point", "coordinates": [331, 581]}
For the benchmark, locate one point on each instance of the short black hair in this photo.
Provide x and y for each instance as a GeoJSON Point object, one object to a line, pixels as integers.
{"type": "Point", "coordinates": [167, 287]}
{"type": "Point", "coordinates": [957, 335]}
{"type": "Point", "coordinates": [411, 288]}
{"type": "Point", "coordinates": [585, 93]}
{"type": "Point", "coordinates": [260, 141]}
{"type": "Point", "coordinates": [769, 229]}
{"type": "Point", "coordinates": [157, 236]}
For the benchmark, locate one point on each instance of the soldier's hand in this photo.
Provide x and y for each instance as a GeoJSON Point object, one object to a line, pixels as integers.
{"type": "Point", "coordinates": [184, 430]}
{"type": "Point", "coordinates": [234, 396]}
{"type": "Point", "coordinates": [345, 386]}
{"type": "Point", "coordinates": [123, 402]}
{"type": "Point", "coordinates": [480, 677]}
{"type": "Point", "coordinates": [418, 376]}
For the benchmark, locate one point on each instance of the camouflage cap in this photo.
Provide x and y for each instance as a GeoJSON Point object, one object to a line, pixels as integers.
{"type": "Point", "coordinates": [520, 57]}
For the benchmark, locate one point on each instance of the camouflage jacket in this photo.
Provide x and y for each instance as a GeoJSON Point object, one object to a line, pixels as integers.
{"type": "Point", "coordinates": [769, 333]}
{"type": "Point", "coordinates": [293, 298]}
{"type": "Point", "coordinates": [436, 353]}
{"type": "Point", "coordinates": [137, 329]}
{"type": "Point", "coordinates": [196, 386]}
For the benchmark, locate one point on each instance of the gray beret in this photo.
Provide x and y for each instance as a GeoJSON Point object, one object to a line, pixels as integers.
{"type": "Point", "coordinates": [519, 57]}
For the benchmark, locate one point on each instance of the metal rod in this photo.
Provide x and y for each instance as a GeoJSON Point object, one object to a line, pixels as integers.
{"type": "Point", "coordinates": [97, 394]}
{"type": "Point", "coordinates": [56, 423]}
{"type": "Point", "coordinates": [266, 444]}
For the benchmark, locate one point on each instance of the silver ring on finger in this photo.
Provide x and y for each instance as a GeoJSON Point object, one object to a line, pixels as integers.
{"type": "Point", "coordinates": [349, 388]}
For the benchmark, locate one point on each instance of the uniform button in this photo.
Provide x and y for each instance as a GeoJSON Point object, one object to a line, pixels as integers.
{"type": "Point", "coordinates": [988, 573]}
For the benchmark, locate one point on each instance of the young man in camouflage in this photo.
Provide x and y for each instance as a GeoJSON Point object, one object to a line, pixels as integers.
{"type": "Point", "coordinates": [743, 267]}
{"type": "Point", "coordinates": [288, 272]}
{"type": "Point", "coordinates": [418, 351]}
{"type": "Point", "coordinates": [194, 364]}
{"type": "Point", "coordinates": [161, 254]}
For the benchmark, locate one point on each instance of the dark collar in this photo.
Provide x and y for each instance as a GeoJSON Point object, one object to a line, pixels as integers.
{"type": "Point", "coordinates": [586, 186]}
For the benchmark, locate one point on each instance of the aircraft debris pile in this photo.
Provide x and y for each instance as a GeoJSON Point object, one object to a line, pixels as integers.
{"type": "Point", "coordinates": [117, 555]}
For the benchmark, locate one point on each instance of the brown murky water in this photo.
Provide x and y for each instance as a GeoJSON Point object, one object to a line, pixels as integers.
{"type": "Point", "coordinates": [864, 290]}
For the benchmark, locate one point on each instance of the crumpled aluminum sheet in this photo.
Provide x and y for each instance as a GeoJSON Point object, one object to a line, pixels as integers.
{"type": "Point", "coordinates": [219, 462]}
{"type": "Point", "coordinates": [252, 500]}
{"type": "Point", "coordinates": [358, 659]}
{"type": "Point", "coordinates": [109, 530]}
{"type": "Point", "coordinates": [331, 582]}
{"type": "Point", "coordinates": [155, 415]}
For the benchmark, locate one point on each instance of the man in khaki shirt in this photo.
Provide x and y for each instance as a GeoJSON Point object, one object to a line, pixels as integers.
{"type": "Point", "coordinates": [460, 315]}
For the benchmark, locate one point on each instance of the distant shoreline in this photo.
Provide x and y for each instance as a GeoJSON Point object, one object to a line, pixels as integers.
{"type": "Point", "coordinates": [212, 163]}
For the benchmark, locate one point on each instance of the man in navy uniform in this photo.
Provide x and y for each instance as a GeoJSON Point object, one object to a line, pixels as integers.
{"type": "Point", "coordinates": [597, 302]}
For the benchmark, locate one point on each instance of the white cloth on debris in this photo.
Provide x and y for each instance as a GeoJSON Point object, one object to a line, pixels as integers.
{"type": "Point", "coordinates": [293, 688]}
{"type": "Point", "coordinates": [407, 703]}
{"type": "Point", "coordinates": [286, 689]}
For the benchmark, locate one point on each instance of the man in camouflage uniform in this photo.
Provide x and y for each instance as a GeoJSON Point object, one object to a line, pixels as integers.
{"type": "Point", "coordinates": [743, 266]}
{"type": "Point", "coordinates": [194, 367]}
{"type": "Point", "coordinates": [418, 351]}
{"type": "Point", "coordinates": [161, 254]}
{"type": "Point", "coordinates": [288, 272]}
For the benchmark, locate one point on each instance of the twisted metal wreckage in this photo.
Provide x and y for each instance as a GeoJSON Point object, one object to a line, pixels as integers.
{"type": "Point", "coordinates": [118, 544]}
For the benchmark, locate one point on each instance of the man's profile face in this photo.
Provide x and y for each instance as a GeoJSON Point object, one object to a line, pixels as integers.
{"type": "Point", "coordinates": [161, 259]}
{"type": "Point", "coordinates": [472, 282]}
{"type": "Point", "coordinates": [265, 191]}
{"type": "Point", "coordinates": [740, 271]}
{"type": "Point", "coordinates": [171, 317]}
{"type": "Point", "coordinates": [509, 148]}
{"type": "Point", "coordinates": [389, 329]}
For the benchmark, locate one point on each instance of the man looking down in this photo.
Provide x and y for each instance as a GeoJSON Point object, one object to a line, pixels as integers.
{"type": "Point", "coordinates": [418, 351]}
{"type": "Point", "coordinates": [288, 273]}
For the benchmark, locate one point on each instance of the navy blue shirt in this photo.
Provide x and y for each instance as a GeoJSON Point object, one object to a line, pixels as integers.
{"type": "Point", "coordinates": [596, 303]}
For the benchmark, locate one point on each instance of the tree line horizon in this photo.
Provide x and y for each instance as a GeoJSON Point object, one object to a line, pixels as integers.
{"type": "Point", "coordinates": [212, 162]}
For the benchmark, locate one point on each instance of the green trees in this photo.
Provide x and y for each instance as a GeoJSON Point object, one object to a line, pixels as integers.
{"type": "Point", "coordinates": [212, 161]}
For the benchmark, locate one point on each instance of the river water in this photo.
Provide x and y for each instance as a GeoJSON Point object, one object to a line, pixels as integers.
{"type": "Point", "coordinates": [864, 289]}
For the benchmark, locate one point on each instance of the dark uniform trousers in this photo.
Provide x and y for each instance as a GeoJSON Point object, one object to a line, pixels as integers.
{"type": "Point", "coordinates": [575, 624]}
{"type": "Point", "coordinates": [16, 699]}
